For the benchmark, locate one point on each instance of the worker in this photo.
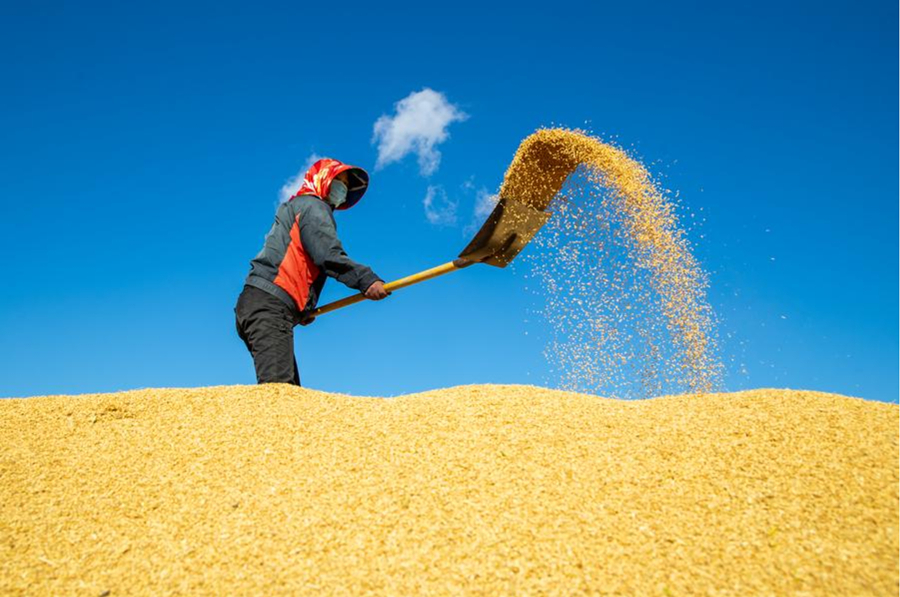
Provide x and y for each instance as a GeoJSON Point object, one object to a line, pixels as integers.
{"type": "Point", "coordinates": [286, 277]}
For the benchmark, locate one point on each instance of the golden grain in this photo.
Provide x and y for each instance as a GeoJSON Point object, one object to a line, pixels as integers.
{"type": "Point", "coordinates": [482, 490]}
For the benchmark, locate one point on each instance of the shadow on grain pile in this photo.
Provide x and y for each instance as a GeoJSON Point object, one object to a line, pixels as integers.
{"type": "Point", "coordinates": [476, 489]}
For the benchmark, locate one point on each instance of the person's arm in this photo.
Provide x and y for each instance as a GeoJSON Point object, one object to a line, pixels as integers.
{"type": "Point", "coordinates": [319, 237]}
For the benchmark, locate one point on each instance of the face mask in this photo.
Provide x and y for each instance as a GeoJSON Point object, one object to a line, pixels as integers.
{"type": "Point", "coordinates": [337, 194]}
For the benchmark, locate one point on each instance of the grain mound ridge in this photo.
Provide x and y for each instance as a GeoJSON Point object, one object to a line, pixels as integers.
{"type": "Point", "coordinates": [474, 489]}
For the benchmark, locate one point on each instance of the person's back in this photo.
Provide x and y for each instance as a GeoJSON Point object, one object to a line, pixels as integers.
{"type": "Point", "coordinates": [286, 277]}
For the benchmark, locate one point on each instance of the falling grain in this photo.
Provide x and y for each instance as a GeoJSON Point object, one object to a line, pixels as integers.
{"type": "Point", "coordinates": [623, 295]}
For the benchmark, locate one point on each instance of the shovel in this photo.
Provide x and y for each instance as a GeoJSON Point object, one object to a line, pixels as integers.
{"type": "Point", "coordinates": [511, 225]}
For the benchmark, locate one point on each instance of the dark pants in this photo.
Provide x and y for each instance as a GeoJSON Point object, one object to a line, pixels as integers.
{"type": "Point", "coordinates": [266, 325]}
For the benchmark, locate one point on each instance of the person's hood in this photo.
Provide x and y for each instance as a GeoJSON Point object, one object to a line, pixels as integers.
{"type": "Point", "coordinates": [317, 181]}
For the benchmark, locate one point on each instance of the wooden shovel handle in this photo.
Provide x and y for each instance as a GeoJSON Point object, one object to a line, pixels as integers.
{"type": "Point", "coordinates": [428, 274]}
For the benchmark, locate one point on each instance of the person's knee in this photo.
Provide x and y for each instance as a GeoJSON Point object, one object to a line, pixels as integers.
{"type": "Point", "coordinates": [276, 365]}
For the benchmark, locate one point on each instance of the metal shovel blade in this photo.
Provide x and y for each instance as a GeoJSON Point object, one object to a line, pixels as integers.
{"type": "Point", "coordinates": [505, 233]}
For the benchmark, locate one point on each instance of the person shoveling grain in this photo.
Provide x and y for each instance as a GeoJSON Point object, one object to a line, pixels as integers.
{"type": "Point", "coordinates": [668, 340]}
{"type": "Point", "coordinates": [286, 277]}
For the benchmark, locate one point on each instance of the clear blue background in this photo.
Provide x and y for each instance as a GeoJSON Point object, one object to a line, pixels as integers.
{"type": "Point", "coordinates": [143, 148]}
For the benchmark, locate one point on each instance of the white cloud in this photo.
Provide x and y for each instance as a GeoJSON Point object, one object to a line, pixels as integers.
{"type": "Point", "coordinates": [418, 126]}
{"type": "Point", "coordinates": [440, 210]}
{"type": "Point", "coordinates": [293, 183]}
{"type": "Point", "coordinates": [484, 203]}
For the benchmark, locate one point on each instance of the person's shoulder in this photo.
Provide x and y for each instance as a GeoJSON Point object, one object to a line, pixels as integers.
{"type": "Point", "coordinates": [310, 205]}
{"type": "Point", "coordinates": [306, 200]}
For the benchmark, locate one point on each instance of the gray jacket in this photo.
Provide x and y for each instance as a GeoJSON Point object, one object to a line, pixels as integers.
{"type": "Point", "coordinates": [300, 251]}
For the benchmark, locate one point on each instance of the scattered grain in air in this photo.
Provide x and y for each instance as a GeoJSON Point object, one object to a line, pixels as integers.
{"type": "Point", "coordinates": [622, 294]}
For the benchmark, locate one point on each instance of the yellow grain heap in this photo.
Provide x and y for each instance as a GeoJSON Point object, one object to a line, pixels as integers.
{"type": "Point", "coordinates": [264, 490]}
{"type": "Point", "coordinates": [624, 296]}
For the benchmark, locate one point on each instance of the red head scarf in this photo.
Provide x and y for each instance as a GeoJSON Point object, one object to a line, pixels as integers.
{"type": "Point", "coordinates": [317, 181]}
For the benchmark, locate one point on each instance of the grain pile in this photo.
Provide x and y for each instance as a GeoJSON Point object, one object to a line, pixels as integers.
{"type": "Point", "coordinates": [263, 490]}
{"type": "Point", "coordinates": [623, 296]}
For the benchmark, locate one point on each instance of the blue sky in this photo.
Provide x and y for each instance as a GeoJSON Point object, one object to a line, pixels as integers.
{"type": "Point", "coordinates": [143, 150]}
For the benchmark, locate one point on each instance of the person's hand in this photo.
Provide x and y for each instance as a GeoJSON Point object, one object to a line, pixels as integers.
{"type": "Point", "coordinates": [376, 291]}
